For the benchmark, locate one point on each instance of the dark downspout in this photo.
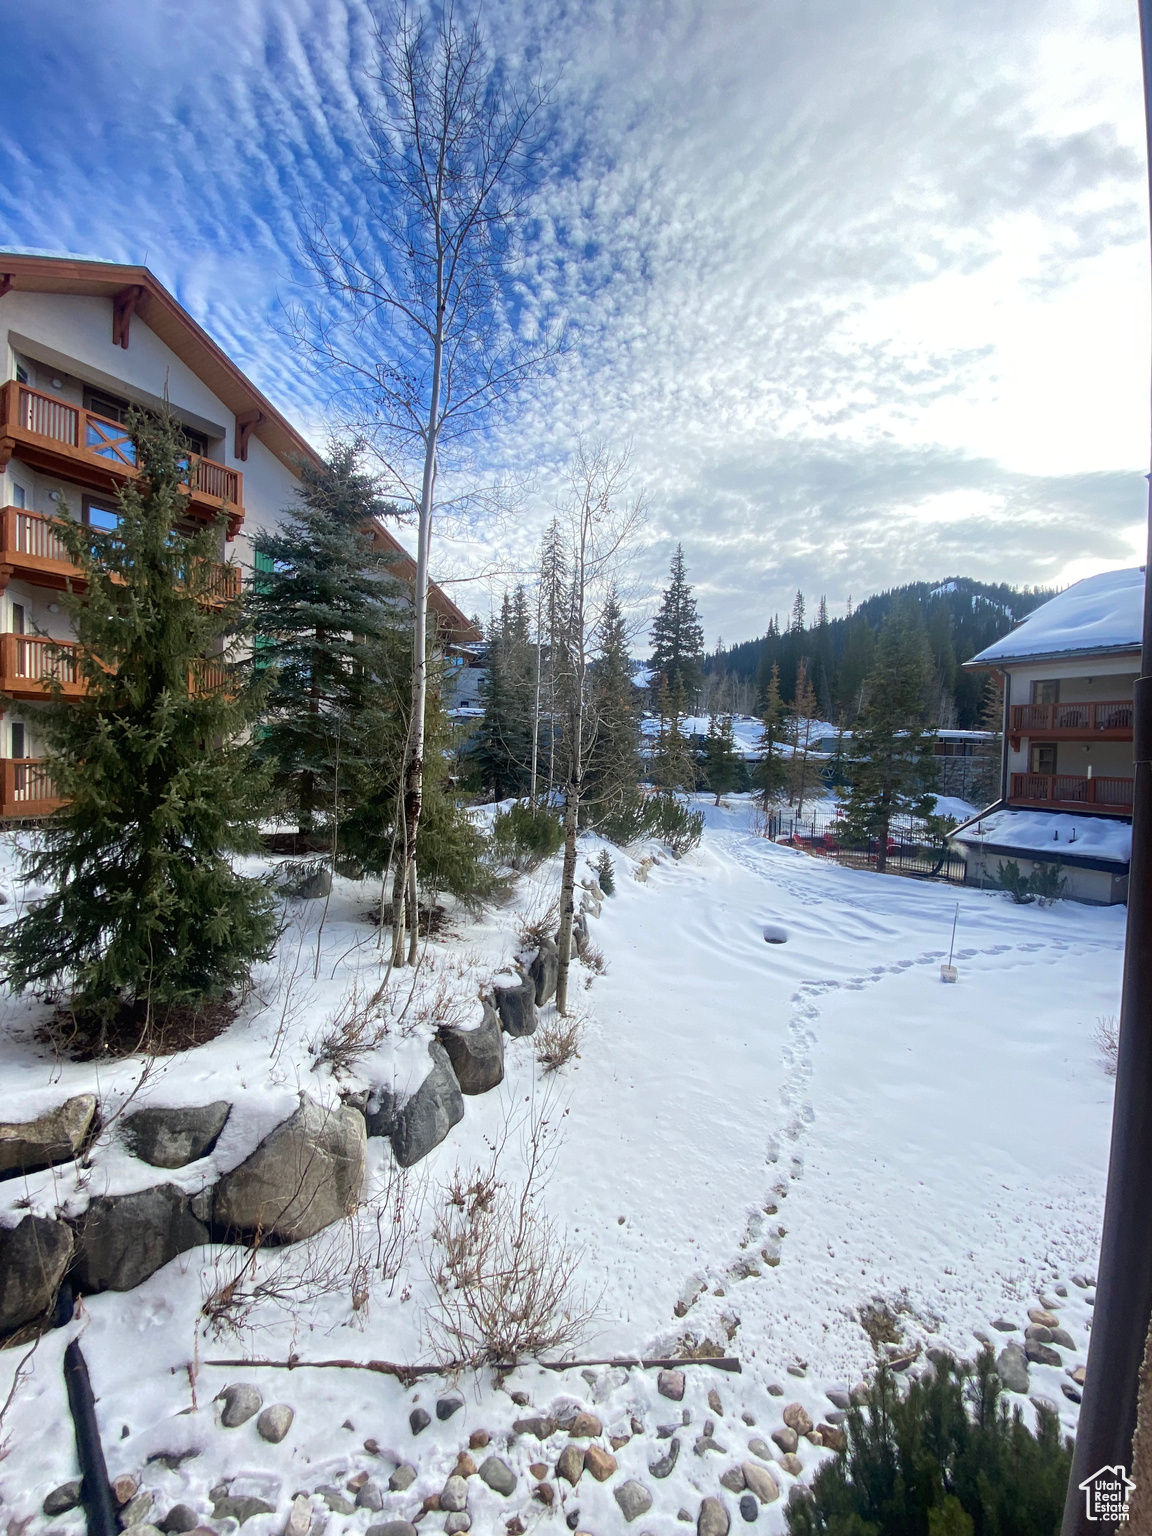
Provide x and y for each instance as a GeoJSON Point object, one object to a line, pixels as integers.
{"type": "Point", "coordinates": [1124, 1294]}
{"type": "Point", "coordinates": [95, 1489]}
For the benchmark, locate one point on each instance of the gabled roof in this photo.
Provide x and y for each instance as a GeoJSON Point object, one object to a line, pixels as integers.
{"type": "Point", "coordinates": [455, 624]}
{"type": "Point", "coordinates": [1101, 615]}
{"type": "Point", "coordinates": [147, 297]}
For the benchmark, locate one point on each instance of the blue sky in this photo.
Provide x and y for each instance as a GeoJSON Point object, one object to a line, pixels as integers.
{"type": "Point", "coordinates": [864, 286]}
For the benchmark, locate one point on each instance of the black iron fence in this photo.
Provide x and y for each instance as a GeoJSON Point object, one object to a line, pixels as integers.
{"type": "Point", "coordinates": [911, 848]}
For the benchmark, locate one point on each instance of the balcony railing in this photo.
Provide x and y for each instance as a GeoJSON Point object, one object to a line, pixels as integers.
{"type": "Point", "coordinates": [1111, 717]}
{"type": "Point", "coordinates": [1072, 792]}
{"type": "Point", "coordinates": [44, 425]}
{"type": "Point", "coordinates": [26, 789]}
{"type": "Point", "coordinates": [28, 664]}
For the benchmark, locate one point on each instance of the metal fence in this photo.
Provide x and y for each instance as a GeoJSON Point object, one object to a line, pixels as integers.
{"type": "Point", "coordinates": [911, 849]}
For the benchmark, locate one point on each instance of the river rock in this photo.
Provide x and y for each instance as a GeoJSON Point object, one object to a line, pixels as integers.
{"type": "Point", "coordinates": [403, 1478]}
{"type": "Point", "coordinates": [423, 1121]}
{"type": "Point", "coordinates": [34, 1255]}
{"type": "Point", "coordinates": [760, 1481]}
{"type": "Point", "coordinates": [498, 1475]}
{"type": "Point", "coordinates": [136, 1511]}
{"type": "Point", "coordinates": [299, 1516]}
{"type": "Point", "coordinates": [1038, 1332]}
{"type": "Point", "coordinates": [570, 1464]}
{"type": "Point", "coordinates": [418, 1420]}
{"type": "Point", "coordinates": [544, 970]}
{"type": "Point", "coordinates": [796, 1417]}
{"type": "Point", "coordinates": [477, 1055]}
{"type": "Point", "coordinates": [733, 1480]}
{"type": "Point", "coordinates": [305, 1175]}
{"type": "Point", "coordinates": [792, 1464]}
{"type": "Point", "coordinates": [832, 1436]}
{"type": "Point", "coordinates": [53, 1137]}
{"type": "Point", "coordinates": [1003, 1325]}
{"type": "Point", "coordinates": [179, 1520]}
{"type": "Point", "coordinates": [516, 1006]}
{"type": "Point", "coordinates": [749, 1509]}
{"type": "Point", "coordinates": [1012, 1368]}
{"type": "Point", "coordinates": [585, 1426]}
{"type": "Point", "coordinates": [122, 1239]}
{"type": "Point", "coordinates": [663, 1467]}
{"type": "Point", "coordinates": [541, 1428]}
{"type": "Point", "coordinates": [633, 1499]}
{"type": "Point", "coordinates": [1063, 1338]}
{"type": "Point", "coordinates": [671, 1384]}
{"type": "Point", "coordinates": [275, 1422]}
{"type": "Point", "coordinates": [787, 1439]}
{"type": "Point", "coordinates": [447, 1406]}
{"type": "Point", "coordinates": [1043, 1316]}
{"type": "Point", "coordinates": [760, 1448]}
{"type": "Point", "coordinates": [335, 1500]}
{"type": "Point", "coordinates": [241, 1400]}
{"type": "Point", "coordinates": [239, 1507]}
{"type": "Point", "coordinates": [393, 1528]}
{"type": "Point", "coordinates": [454, 1494]}
{"type": "Point", "coordinates": [171, 1138]}
{"type": "Point", "coordinates": [838, 1398]}
{"type": "Point", "coordinates": [1041, 1354]}
{"type": "Point", "coordinates": [601, 1463]}
{"type": "Point", "coordinates": [713, 1519]}
{"type": "Point", "coordinates": [62, 1499]}
{"type": "Point", "coordinates": [457, 1523]}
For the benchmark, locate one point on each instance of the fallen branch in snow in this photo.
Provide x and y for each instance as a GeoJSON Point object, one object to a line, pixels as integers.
{"type": "Point", "coordinates": [409, 1373]}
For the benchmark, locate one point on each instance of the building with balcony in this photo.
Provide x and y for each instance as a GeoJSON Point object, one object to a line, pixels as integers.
{"type": "Point", "coordinates": [1067, 771]}
{"type": "Point", "coordinates": [81, 343]}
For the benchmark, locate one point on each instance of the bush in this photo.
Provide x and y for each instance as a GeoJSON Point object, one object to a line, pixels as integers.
{"type": "Point", "coordinates": [525, 835]}
{"type": "Point", "coordinates": [1045, 884]}
{"type": "Point", "coordinates": [661, 816]}
{"type": "Point", "coordinates": [949, 1459]}
{"type": "Point", "coordinates": [1017, 885]}
{"type": "Point", "coordinates": [605, 874]}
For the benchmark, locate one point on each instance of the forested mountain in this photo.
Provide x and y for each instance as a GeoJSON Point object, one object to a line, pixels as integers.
{"type": "Point", "coordinates": [959, 617]}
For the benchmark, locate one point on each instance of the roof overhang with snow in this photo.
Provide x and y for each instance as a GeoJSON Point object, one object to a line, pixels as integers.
{"type": "Point", "coordinates": [1099, 616]}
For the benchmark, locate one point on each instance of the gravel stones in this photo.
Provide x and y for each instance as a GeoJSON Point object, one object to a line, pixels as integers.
{"type": "Point", "coordinates": [403, 1478]}
{"type": "Point", "coordinates": [713, 1519]}
{"type": "Point", "coordinates": [1012, 1368]}
{"type": "Point", "coordinates": [539, 1427]}
{"type": "Point", "coordinates": [570, 1464]}
{"type": "Point", "coordinates": [498, 1475]}
{"type": "Point", "coordinates": [419, 1420]}
{"type": "Point", "coordinates": [796, 1417]}
{"type": "Point", "coordinates": [447, 1406]}
{"type": "Point", "coordinates": [585, 1426]}
{"type": "Point", "coordinates": [62, 1499]}
{"type": "Point", "coordinates": [241, 1400]}
{"type": "Point", "coordinates": [633, 1498]}
{"type": "Point", "coordinates": [663, 1467]}
{"type": "Point", "coordinates": [275, 1422]}
{"type": "Point", "coordinates": [760, 1482]}
{"type": "Point", "coordinates": [454, 1494]}
{"type": "Point", "coordinates": [671, 1384]}
{"type": "Point", "coordinates": [172, 1138]}
{"type": "Point", "coordinates": [53, 1137]}
{"type": "Point", "coordinates": [787, 1439]}
{"type": "Point", "coordinates": [34, 1255]}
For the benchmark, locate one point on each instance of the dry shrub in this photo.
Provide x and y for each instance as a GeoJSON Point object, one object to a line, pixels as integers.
{"type": "Point", "coordinates": [504, 1274]}
{"type": "Point", "coordinates": [1106, 1038]}
{"type": "Point", "coordinates": [558, 1041]}
{"type": "Point", "coordinates": [538, 922]}
{"type": "Point", "coordinates": [593, 959]}
{"type": "Point", "coordinates": [357, 1027]}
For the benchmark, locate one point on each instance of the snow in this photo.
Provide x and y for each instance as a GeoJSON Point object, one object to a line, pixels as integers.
{"type": "Point", "coordinates": [942, 1148]}
{"type": "Point", "coordinates": [1100, 613]}
{"type": "Point", "coordinates": [1097, 837]}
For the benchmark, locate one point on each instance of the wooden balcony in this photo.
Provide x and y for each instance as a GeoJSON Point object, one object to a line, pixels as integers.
{"type": "Point", "coordinates": [1072, 792]}
{"type": "Point", "coordinates": [28, 664]}
{"type": "Point", "coordinates": [76, 444]}
{"type": "Point", "coordinates": [1109, 720]}
{"type": "Point", "coordinates": [26, 789]}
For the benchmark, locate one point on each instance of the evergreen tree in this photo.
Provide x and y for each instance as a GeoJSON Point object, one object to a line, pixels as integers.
{"type": "Point", "coordinates": [502, 752]}
{"type": "Point", "coordinates": [797, 625]}
{"type": "Point", "coordinates": [672, 764]}
{"type": "Point", "coordinates": [613, 773]}
{"type": "Point", "coordinates": [891, 768]}
{"type": "Point", "coordinates": [772, 770]}
{"type": "Point", "coordinates": [677, 637]}
{"type": "Point", "coordinates": [800, 719]}
{"type": "Point", "coordinates": [723, 769]}
{"type": "Point", "coordinates": [146, 919]}
{"type": "Point", "coordinates": [553, 597]}
{"type": "Point", "coordinates": [322, 599]}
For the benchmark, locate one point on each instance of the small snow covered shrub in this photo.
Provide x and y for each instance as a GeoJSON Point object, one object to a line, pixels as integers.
{"type": "Point", "coordinates": [1106, 1036]}
{"type": "Point", "coordinates": [525, 835]}
{"type": "Point", "coordinates": [558, 1041]}
{"type": "Point", "coordinates": [1047, 883]}
{"type": "Point", "coordinates": [1017, 885]}
{"type": "Point", "coordinates": [947, 1459]}
{"type": "Point", "coordinates": [605, 874]}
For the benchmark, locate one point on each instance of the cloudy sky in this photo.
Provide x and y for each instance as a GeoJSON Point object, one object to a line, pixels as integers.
{"type": "Point", "coordinates": [865, 287]}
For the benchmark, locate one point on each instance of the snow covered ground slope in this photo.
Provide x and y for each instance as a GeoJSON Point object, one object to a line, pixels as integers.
{"type": "Point", "coordinates": [758, 1140]}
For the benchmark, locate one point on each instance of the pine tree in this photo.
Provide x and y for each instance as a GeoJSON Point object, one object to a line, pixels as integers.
{"type": "Point", "coordinates": [772, 770]}
{"type": "Point", "coordinates": [146, 920]}
{"type": "Point", "coordinates": [890, 769]}
{"type": "Point", "coordinates": [322, 598]}
{"type": "Point", "coordinates": [672, 764]}
{"type": "Point", "coordinates": [554, 583]}
{"type": "Point", "coordinates": [723, 767]}
{"type": "Point", "coordinates": [800, 718]}
{"type": "Point", "coordinates": [797, 625]}
{"type": "Point", "coordinates": [677, 637]}
{"type": "Point", "coordinates": [613, 774]}
{"type": "Point", "coordinates": [502, 751]}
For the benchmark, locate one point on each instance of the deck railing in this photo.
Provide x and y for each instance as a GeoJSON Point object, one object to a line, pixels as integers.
{"type": "Point", "coordinates": [1105, 792]}
{"type": "Point", "coordinates": [26, 788]}
{"type": "Point", "coordinates": [29, 663]}
{"type": "Point", "coordinates": [1107, 715]}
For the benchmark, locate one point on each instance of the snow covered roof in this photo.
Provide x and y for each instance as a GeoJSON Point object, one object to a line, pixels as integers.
{"type": "Point", "coordinates": [1099, 614]}
{"type": "Point", "coordinates": [1061, 834]}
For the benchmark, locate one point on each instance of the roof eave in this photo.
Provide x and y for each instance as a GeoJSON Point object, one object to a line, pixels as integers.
{"type": "Point", "coordinates": [982, 663]}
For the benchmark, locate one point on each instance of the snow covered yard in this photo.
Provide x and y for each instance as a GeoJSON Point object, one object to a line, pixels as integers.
{"type": "Point", "coordinates": [758, 1141]}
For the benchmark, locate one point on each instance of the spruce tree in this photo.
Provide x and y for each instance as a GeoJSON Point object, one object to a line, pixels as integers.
{"type": "Point", "coordinates": [672, 764]}
{"type": "Point", "coordinates": [723, 767]}
{"type": "Point", "coordinates": [800, 719]}
{"type": "Point", "coordinates": [146, 920]}
{"type": "Point", "coordinates": [322, 598]}
{"type": "Point", "coordinates": [502, 750]}
{"type": "Point", "coordinates": [890, 769]}
{"type": "Point", "coordinates": [612, 776]}
{"type": "Point", "coordinates": [677, 637]}
{"type": "Point", "coordinates": [772, 770]}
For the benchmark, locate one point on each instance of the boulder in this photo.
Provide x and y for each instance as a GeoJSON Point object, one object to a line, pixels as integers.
{"type": "Point", "coordinates": [633, 1499]}
{"type": "Point", "coordinates": [1041, 1354]}
{"type": "Point", "coordinates": [239, 1507]}
{"type": "Point", "coordinates": [663, 1467]}
{"type": "Point", "coordinates": [792, 1464]}
{"type": "Point", "coordinates": [457, 1523]}
{"type": "Point", "coordinates": [580, 936]}
{"type": "Point", "coordinates": [454, 1494]}
{"type": "Point", "coordinates": [179, 1519]}
{"type": "Point", "coordinates": [314, 886]}
{"type": "Point", "coordinates": [302, 1177]}
{"type": "Point", "coordinates": [423, 1121]}
{"type": "Point", "coordinates": [1062, 1337]}
{"type": "Point", "coordinates": [403, 1478]}
{"type": "Point", "coordinates": [447, 1406]}
{"type": "Point", "coordinates": [540, 1427]}
{"type": "Point", "coordinates": [749, 1509]}
{"type": "Point", "coordinates": [544, 971]}
{"type": "Point", "coordinates": [516, 1005]}
{"type": "Point", "coordinates": [498, 1475]}
{"type": "Point", "coordinates": [122, 1239]}
{"type": "Point", "coordinates": [419, 1419]}
{"type": "Point", "coordinates": [733, 1480]}
{"type": "Point", "coordinates": [33, 1257]}
{"type": "Point", "coordinates": [53, 1137]}
{"type": "Point", "coordinates": [477, 1055]}
{"type": "Point", "coordinates": [170, 1138]}
{"type": "Point", "coordinates": [832, 1436]}
{"type": "Point", "coordinates": [1012, 1368]}
{"type": "Point", "coordinates": [379, 1112]}
{"type": "Point", "coordinates": [392, 1528]}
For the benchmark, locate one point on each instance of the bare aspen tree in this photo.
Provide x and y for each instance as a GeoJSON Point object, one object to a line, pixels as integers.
{"type": "Point", "coordinates": [601, 518]}
{"type": "Point", "coordinates": [416, 321]}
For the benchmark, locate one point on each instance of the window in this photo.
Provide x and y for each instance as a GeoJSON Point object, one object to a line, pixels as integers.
{"type": "Point", "coordinates": [18, 619]}
{"type": "Point", "coordinates": [18, 497]}
{"type": "Point", "coordinates": [18, 747]}
{"type": "Point", "coordinates": [111, 407]}
{"type": "Point", "coordinates": [1044, 759]}
{"type": "Point", "coordinates": [1046, 693]}
{"type": "Point", "coordinates": [21, 374]}
{"type": "Point", "coordinates": [99, 514]}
